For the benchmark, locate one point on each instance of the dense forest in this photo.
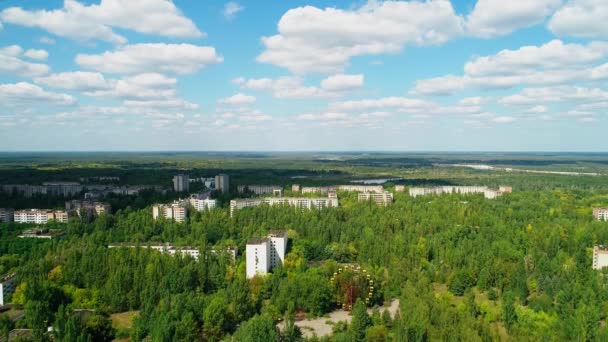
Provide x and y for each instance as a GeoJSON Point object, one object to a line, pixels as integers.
{"type": "Point", "coordinates": [462, 268]}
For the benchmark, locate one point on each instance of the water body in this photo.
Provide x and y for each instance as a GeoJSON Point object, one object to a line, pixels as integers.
{"type": "Point", "coordinates": [375, 181]}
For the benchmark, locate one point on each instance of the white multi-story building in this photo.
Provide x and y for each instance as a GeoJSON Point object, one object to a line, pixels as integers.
{"type": "Point", "coordinates": [600, 257]}
{"type": "Point", "coordinates": [347, 187]}
{"type": "Point", "coordinates": [438, 190]}
{"type": "Point", "coordinates": [7, 286]}
{"type": "Point", "coordinates": [383, 199]}
{"type": "Point", "coordinates": [63, 188]}
{"type": "Point", "coordinates": [202, 202]}
{"type": "Point", "coordinates": [298, 202]}
{"type": "Point", "coordinates": [600, 214]}
{"type": "Point", "coordinates": [181, 183]}
{"type": "Point", "coordinates": [262, 255]}
{"type": "Point", "coordinates": [399, 188]}
{"type": "Point", "coordinates": [222, 183]}
{"type": "Point", "coordinates": [41, 233]}
{"type": "Point", "coordinates": [41, 216]}
{"type": "Point", "coordinates": [177, 211]}
{"type": "Point", "coordinates": [275, 190]}
{"type": "Point", "coordinates": [166, 248]}
{"type": "Point", "coordinates": [6, 215]}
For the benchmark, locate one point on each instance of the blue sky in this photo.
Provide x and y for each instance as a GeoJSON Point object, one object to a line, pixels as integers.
{"type": "Point", "coordinates": [304, 75]}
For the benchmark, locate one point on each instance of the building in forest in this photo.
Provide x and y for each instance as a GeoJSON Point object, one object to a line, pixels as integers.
{"type": "Point", "coordinates": [275, 190]}
{"type": "Point", "coordinates": [264, 254]}
{"type": "Point", "coordinates": [178, 211]}
{"type": "Point", "coordinates": [181, 183]}
{"type": "Point", "coordinates": [383, 199]}
{"type": "Point", "coordinates": [298, 202]}
{"type": "Point", "coordinates": [440, 190]}
{"type": "Point", "coordinates": [6, 215]}
{"type": "Point", "coordinates": [41, 216]}
{"type": "Point", "coordinates": [600, 214]}
{"type": "Point", "coordinates": [600, 257]}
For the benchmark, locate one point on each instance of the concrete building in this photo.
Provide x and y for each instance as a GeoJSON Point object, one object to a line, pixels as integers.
{"type": "Point", "coordinates": [347, 187]}
{"type": "Point", "coordinates": [298, 202]}
{"type": "Point", "coordinates": [7, 287]}
{"type": "Point", "coordinates": [181, 183]}
{"type": "Point", "coordinates": [295, 187]}
{"type": "Point", "coordinates": [65, 189]}
{"type": "Point", "coordinates": [177, 211]}
{"type": "Point", "coordinates": [202, 202]}
{"type": "Point", "coordinates": [222, 183]}
{"type": "Point", "coordinates": [166, 248]}
{"type": "Point", "coordinates": [41, 216]}
{"type": "Point", "coordinates": [439, 190]}
{"type": "Point", "coordinates": [383, 199]}
{"type": "Point", "coordinates": [600, 214]}
{"type": "Point", "coordinates": [399, 188]}
{"type": "Point", "coordinates": [262, 255]}
{"type": "Point", "coordinates": [88, 207]}
{"type": "Point", "coordinates": [275, 190]}
{"type": "Point", "coordinates": [600, 257]}
{"type": "Point", "coordinates": [41, 233]}
{"type": "Point", "coordinates": [6, 215]}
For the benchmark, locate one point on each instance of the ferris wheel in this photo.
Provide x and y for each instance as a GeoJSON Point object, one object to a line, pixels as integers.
{"type": "Point", "coordinates": [350, 283]}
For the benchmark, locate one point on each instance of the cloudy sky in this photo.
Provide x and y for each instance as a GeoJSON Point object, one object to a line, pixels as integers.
{"type": "Point", "coordinates": [304, 75]}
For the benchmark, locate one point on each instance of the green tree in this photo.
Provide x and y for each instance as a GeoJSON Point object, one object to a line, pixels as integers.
{"type": "Point", "coordinates": [258, 328]}
{"type": "Point", "coordinates": [360, 321]}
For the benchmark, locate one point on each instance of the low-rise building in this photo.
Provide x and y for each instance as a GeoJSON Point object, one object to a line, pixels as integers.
{"type": "Point", "coordinates": [177, 211]}
{"type": "Point", "coordinates": [264, 254]}
{"type": "Point", "coordinates": [298, 202]}
{"type": "Point", "coordinates": [41, 216]}
{"type": "Point", "coordinates": [600, 257]}
{"type": "Point", "coordinates": [41, 233]}
{"type": "Point", "coordinates": [7, 287]}
{"type": "Point", "coordinates": [600, 214]}
{"type": "Point", "coordinates": [399, 188]}
{"type": "Point", "coordinates": [6, 215]}
{"type": "Point", "coordinates": [347, 187]}
{"type": "Point", "coordinates": [166, 248]}
{"type": "Point", "coordinates": [295, 188]}
{"type": "Point", "coordinates": [275, 190]}
{"type": "Point", "coordinates": [383, 199]}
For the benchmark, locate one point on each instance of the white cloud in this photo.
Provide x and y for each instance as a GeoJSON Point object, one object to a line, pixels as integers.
{"type": "Point", "coordinates": [331, 118]}
{"type": "Point", "coordinates": [11, 63]}
{"type": "Point", "coordinates": [503, 119]}
{"type": "Point", "coordinates": [47, 40]}
{"type": "Point", "coordinates": [292, 86]}
{"type": "Point", "coordinates": [77, 80]}
{"type": "Point", "coordinates": [142, 58]}
{"type": "Point", "coordinates": [24, 93]}
{"type": "Point", "coordinates": [342, 82]}
{"type": "Point", "coordinates": [238, 99]}
{"type": "Point", "coordinates": [600, 72]}
{"type": "Point", "coordinates": [581, 18]}
{"type": "Point", "coordinates": [231, 9]}
{"type": "Point", "coordinates": [535, 96]}
{"type": "Point", "coordinates": [492, 18]}
{"type": "Point", "coordinates": [169, 104]}
{"type": "Point", "coordinates": [310, 39]}
{"type": "Point", "coordinates": [401, 104]}
{"type": "Point", "coordinates": [95, 22]}
{"type": "Point", "coordinates": [537, 109]}
{"type": "Point", "coordinates": [36, 54]}
{"type": "Point", "coordinates": [548, 64]}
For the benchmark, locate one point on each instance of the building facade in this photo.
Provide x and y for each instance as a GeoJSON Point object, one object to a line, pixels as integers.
{"type": "Point", "coordinates": [41, 216]}
{"type": "Point", "coordinates": [181, 183]}
{"type": "Point", "coordinates": [600, 214]}
{"type": "Point", "coordinates": [7, 215]}
{"type": "Point", "coordinates": [439, 190]}
{"type": "Point", "coordinates": [298, 202]}
{"type": "Point", "coordinates": [166, 248]}
{"type": "Point", "coordinates": [264, 254]}
{"type": "Point", "coordinates": [222, 183]}
{"type": "Point", "coordinates": [88, 207]}
{"type": "Point", "coordinates": [600, 257]}
{"type": "Point", "coordinates": [7, 287]}
{"type": "Point", "coordinates": [399, 188]}
{"type": "Point", "coordinates": [202, 202]}
{"type": "Point", "coordinates": [177, 211]}
{"type": "Point", "coordinates": [382, 199]}
{"type": "Point", "coordinates": [275, 190]}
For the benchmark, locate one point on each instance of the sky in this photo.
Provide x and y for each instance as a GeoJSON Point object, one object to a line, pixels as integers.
{"type": "Point", "coordinates": [460, 75]}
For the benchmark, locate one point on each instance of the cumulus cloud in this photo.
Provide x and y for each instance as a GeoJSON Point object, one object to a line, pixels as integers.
{"type": "Point", "coordinates": [36, 54]}
{"type": "Point", "coordinates": [311, 39]}
{"type": "Point", "coordinates": [95, 22]}
{"type": "Point", "coordinates": [293, 86]}
{"type": "Point", "coordinates": [552, 63]}
{"type": "Point", "coordinates": [24, 93]}
{"type": "Point", "coordinates": [543, 95]}
{"type": "Point", "coordinates": [238, 99]}
{"type": "Point", "coordinates": [11, 63]}
{"type": "Point", "coordinates": [402, 104]}
{"type": "Point", "coordinates": [581, 18]}
{"type": "Point", "coordinates": [492, 18]}
{"type": "Point", "coordinates": [231, 9]}
{"type": "Point", "coordinates": [160, 57]}
{"type": "Point", "coordinates": [76, 80]}
{"type": "Point", "coordinates": [503, 119]}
